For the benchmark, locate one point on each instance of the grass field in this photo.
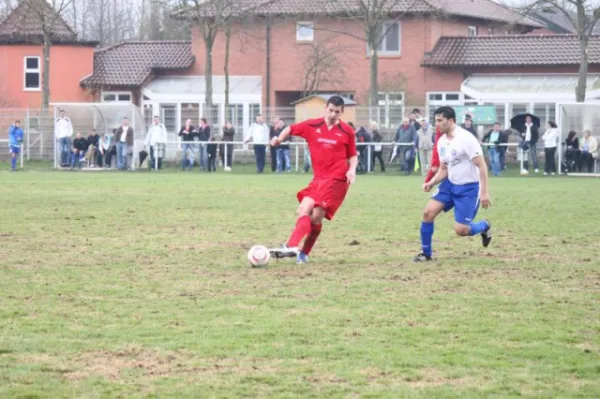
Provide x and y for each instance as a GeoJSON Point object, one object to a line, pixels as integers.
{"type": "Point", "coordinates": [136, 285]}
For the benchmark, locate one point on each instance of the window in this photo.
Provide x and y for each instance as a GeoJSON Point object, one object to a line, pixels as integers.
{"type": "Point", "coordinates": [116, 97]}
{"type": "Point", "coordinates": [546, 112]}
{"type": "Point", "coordinates": [304, 32]}
{"type": "Point", "coordinates": [168, 116]}
{"type": "Point", "coordinates": [500, 112]}
{"type": "Point", "coordinates": [32, 73]}
{"type": "Point", "coordinates": [148, 117]}
{"type": "Point", "coordinates": [34, 123]}
{"type": "Point", "coordinates": [391, 105]}
{"type": "Point", "coordinates": [235, 114]}
{"type": "Point", "coordinates": [472, 31]}
{"type": "Point", "coordinates": [437, 99]}
{"type": "Point", "coordinates": [213, 116]}
{"type": "Point", "coordinates": [254, 111]}
{"type": "Point", "coordinates": [390, 39]}
{"type": "Point", "coordinates": [190, 111]}
{"type": "Point", "coordinates": [490, 31]}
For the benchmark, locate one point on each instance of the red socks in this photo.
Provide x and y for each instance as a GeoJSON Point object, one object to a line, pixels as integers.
{"type": "Point", "coordinates": [312, 238]}
{"type": "Point", "coordinates": [303, 228]}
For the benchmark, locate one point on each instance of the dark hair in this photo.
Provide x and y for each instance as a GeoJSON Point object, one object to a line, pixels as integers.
{"type": "Point", "coordinates": [17, 121]}
{"type": "Point", "coordinates": [572, 134]}
{"type": "Point", "coordinates": [446, 112]}
{"type": "Point", "coordinates": [552, 124]}
{"type": "Point", "coordinates": [351, 124]}
{"type": "Point", "coordinates": [336, 101]}
{"type": "Point", "coordinates": [496, 123]}
{"type": "Point", "coordinates": [416, 111]}
{"type": "Point", "coordinates": [203, 120]}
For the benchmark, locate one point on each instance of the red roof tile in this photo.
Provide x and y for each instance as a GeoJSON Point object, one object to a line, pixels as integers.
{"type": "Point", "coordinates": [480, 9]}
{"type": "Point", "coordinates": [132, 63]}
{"type": "Point", "coordinates": [488, 51]}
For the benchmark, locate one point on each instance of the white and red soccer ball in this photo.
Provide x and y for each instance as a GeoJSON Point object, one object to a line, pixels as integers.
{"type": "Point", "coordinates": [258, 256]}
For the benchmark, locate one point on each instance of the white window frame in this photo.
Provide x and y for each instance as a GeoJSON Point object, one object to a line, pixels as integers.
{"type": "Point", "coordinates": [490, 31]}
{"type": "Point", "coordinates": [117, 94]}
{"type": "Point", "coordinates": [37, 70]}
{"type": "Point", "coordinates": [305, 24]}
{"type": "Point", "coordinates": [472, 32]}
{"type": "Point", "coordinates": [443, 101]}
{"type": "Point", "coordinates": [388, 120]}
{"type": "Point", "coordinates": [385, 52]}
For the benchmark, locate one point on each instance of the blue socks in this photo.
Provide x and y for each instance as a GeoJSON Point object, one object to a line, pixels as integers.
{"type": "Point", "coordinates": [478, 227]}
{"type": "Point", "coordinates": [13, 162]}
{"type": "Point", "coordinates": [426, 235]}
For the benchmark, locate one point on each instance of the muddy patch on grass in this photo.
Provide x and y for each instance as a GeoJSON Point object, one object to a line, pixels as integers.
{"type": "Point", "coordinates": [427, 378]}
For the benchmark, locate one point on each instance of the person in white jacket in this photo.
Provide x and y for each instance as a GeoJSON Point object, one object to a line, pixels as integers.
{"type": "Point", "coordinates": [156, 140]}
{"type": "Point", "coordinates": [259, 135]}
{"type": "Point", "coordinates": [63, 131]}
{"type": "Point", "coordinates": [550, 138]}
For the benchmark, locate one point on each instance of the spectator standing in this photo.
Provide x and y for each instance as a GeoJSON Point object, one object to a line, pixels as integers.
{"type": "Point", "coordinates": [425, 146]}
{"type": "Point", "coordinates": [228, 135]}
{"type": "Point", "coordinates": [156, 140]}
{"type": "Point", "coordinates": [529, 138]}
{"type": "Point", "coordinates": [203, 137]}
{"type": "Point", "coordinates": [63, 131]}
{"type": "Point", "coordinates": [187, 134]}
{"type": "Point", "coordinates": [258, 133]}
{"type": "Point", "coordinates": [550, 138]}
{"type": "Point", "coordinates": [468, 125]}
{"type": "Point", "coordinates": [377, 148]}
{"type": "Point", "coordinates": [406, 136]}
{"type": "Point", "coordinates": [274, 132]}
{"type": "Point", "coordinates": [15, 139]}
{"type": "Point", "coordinates": [124, 141]}
{"type": "Point", "coordinates": [211, 152]}
{"type": "Point", "coordinates": [283, 151]}
{"type": "Point", "coordinates": [493, 140]}
{"type": "Point", "coordinates": [572, 153]}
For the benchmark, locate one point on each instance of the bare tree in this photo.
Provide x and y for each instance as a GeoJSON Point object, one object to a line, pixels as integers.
{"type": "Point", "coordinates": [49, 15]}
{"type": "Point", "coordinates": [583, 15]}
{"type": "Point", "coordinates": [212, 17]}
{"type": "Point", "coordinates": [322, 66]}
{"type": "Point", "coordinates": [376, 19]}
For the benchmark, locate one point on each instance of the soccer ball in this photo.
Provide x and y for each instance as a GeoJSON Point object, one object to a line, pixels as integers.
{"type": "Point", "coordinates": [259, 255]}
{"type": "Point", "coordinates": [524, 172]}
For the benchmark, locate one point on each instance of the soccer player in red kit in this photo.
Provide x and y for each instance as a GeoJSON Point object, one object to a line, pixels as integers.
{"type": "Point", "coordinates": [332, 145]}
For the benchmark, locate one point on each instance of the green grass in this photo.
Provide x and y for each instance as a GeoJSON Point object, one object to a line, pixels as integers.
{"type": "Point", "coordinates": [136, 285]}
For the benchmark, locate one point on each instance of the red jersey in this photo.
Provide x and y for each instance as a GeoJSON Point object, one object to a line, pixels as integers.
{"type": "Point", "coordinates": [435, 158]}
{"type": "Point", "coordinates": [329, 149]}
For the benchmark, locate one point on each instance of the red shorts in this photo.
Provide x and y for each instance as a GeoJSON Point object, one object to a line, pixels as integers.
{"type": "Point", "coordinates": [328, 194]}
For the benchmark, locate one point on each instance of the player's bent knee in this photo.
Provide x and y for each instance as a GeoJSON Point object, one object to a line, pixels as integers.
{"type": "Point", "coordinates": [462, 229]}
{"type": "Point", "coordinates": [428, 215]}
{"type": "Point", "coordinates": [317, 216]}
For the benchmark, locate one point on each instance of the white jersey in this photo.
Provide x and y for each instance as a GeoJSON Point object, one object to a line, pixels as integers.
{"type": "Point", "coordinates": [458, 154]}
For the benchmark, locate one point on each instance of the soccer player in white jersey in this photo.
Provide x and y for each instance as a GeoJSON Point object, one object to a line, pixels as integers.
{"type": "Point", "coordinates": [464, 184]}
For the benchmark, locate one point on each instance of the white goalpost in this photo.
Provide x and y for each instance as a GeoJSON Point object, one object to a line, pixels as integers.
{"type": "Point", "coordinates": [579, 117]}
{"type": "Point", "coordinates": [104, 118]}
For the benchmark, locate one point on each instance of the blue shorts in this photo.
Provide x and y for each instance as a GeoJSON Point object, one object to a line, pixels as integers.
{"type": "Point", "coordinates": [15, 149]}
{"type": "Point", "coordinates": [463, 198]}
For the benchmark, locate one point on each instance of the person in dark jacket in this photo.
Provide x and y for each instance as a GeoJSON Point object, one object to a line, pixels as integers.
{"type": "Point", "coordinates": [211, 152]}
{"type": "Point", "coordinates": [377, 148]}
{"type": "Point", "coordinates": [573, 154]}
{"type": "Point", "coordinates": [92, 150]}
{"type": "Point", "coordinates": [78, 151]}
{"type": "Point", "coordinates": [468, 125]}
{"type": "Point", "coordinates": [187, 134]}
{"type": "Point", "coordinates": [228, 134]}
{"type": "Point", "coordinates": [203, 136]}
{"type": "Point", "coordinates": [529, 136]}
{"type": "Point", "coordinates": [274, 132]}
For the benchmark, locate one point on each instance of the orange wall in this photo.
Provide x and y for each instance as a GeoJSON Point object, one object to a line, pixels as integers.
{"type": "Point", "coordinates": [288, 59]}
{"type": "Point", "coordinates": [68, 65]}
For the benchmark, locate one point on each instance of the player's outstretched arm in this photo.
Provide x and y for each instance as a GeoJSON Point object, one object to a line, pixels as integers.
{"type": "Point", "coordinates": [484, 198]}
{"type": "Point", "coordinates": [285, 133]}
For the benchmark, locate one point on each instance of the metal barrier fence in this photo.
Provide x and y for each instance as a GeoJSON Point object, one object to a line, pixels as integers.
{"type": "Point", "coordinates": [297, 155]}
